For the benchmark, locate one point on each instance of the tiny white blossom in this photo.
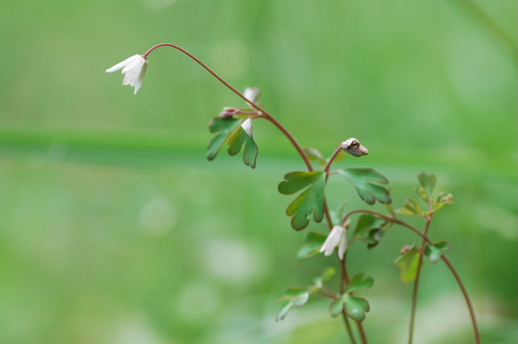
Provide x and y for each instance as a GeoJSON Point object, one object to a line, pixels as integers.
{"type": "Point", "coordinates": [134, 71]}
{"type": "Point", "coordinates": [337, 237]}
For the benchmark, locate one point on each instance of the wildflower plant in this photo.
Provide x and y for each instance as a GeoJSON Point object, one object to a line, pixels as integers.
{"type": "Point", "coordinates": [233, 129]}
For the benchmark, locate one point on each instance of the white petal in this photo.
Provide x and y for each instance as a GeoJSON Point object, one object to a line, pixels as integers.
{"type": "Point", "coordinates": [342, 245]}
{"type": "Point", "coordinates": [123, 64]}
{"type": "Point", "coordinates": [132, 72]}
{"type": "Point", "coordinates": [138, 82]}
{"type": "Point", "coordinates": [332, 240]}
{"type": "Point", "coordinates": [247, 126]}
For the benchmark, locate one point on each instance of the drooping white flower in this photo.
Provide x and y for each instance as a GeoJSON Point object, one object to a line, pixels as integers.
{"type": "Point", "coordinates": [354, 147]}
{"type": "Point", "coordinates": [134, 71]}
{"type": "Point", "coordinates": [252, 94]}
{"type": "Point", "coordinates": [337, 237]}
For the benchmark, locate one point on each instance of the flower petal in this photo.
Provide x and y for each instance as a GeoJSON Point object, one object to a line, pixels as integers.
{"type": "Point", "coordinates": [342, 245]}
{"type": "Point", "coordinates": [123, 64]}
{"type": "Point", "coordinates": [333, 239]}
{"type": "Point", "coordinates": [138, 82]}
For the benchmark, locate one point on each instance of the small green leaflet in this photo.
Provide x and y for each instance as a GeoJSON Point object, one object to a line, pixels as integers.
{"type": "Point", "coordinates": [434, 252]}
{"type": "Point", "coordinates": [309, 201]}
{"type": "Point", "coordinates": [244, 135]}
{"type": "Point", "coordinates": [408, 264]}
{"type": "Point", "coordinates": [295, 297]}
{"type": "Point", "coordinates": [232, 130]}
{"type": "Point", "coordinates": [367, 183]}
{"type": "Point", "coordinates": [313, 243]}
{"type": "Point", "coordinates": [427, 181]}
{"type": "Point", "coordinates": [360, 281]}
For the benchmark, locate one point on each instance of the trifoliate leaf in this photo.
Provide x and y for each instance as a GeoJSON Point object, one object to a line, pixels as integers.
{"type": "Point", "coordinates": [309, 201]}
{"type": "Point", "coordinates": [408, 263]}
{"type": "Point", "coordinates": [222, 127]}
{"type": "Point", "coordinates": [360, 281]}
{"type": "Point", "coordinates": [314, 242]}
{"type": "Point", "coordinates": [244, 135]}
{"type": "Point", "coordinates": [356, 307]}
{"type": "Point", "coordinates": [427, 181]}
{"type": "Point", "coordinates": [367, 183]}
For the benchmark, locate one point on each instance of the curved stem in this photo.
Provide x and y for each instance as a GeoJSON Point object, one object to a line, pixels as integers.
{"type": "Point", "coordinates": [348, 327]}
{"type": "Point", "coordinates": [443, 257]}
{"type": "Point", "coordinates": [266, 115]}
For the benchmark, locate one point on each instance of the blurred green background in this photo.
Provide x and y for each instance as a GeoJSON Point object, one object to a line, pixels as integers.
{"type": "Point", "coordinates": [114, 228]}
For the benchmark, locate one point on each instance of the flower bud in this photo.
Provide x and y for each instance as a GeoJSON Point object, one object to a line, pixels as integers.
{"type": "Point", "coordinates": [354, 147]}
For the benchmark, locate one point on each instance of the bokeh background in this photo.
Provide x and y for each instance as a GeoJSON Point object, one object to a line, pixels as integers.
{"type": "Point", "coordinates": [114, 228]}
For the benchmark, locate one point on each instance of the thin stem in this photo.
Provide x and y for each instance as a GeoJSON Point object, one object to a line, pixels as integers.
{"type": "Point", "coordinates": [416, 282]}
{"type": "Point", "coordinates": [266, 115]}
{"type": "Point", "coordinates": [333, 157]}
{"type": "Point", "coordinates": [348, 327]}
{"type": "Point", "coordinates": [443, 257]}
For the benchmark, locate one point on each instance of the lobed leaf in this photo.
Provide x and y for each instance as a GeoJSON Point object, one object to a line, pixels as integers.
{"type": "Point", "coordinates": [315, 156]}
{"type": "Point", "coordinates": [360, 281]}
{"type": "Point", "coordinates": [222, 127]}
{"type": "Point", "coordinates": [366, 222]}
{"type": "Point", "coordinates": [434, 252]}
{"type": "Point", "coordinates": [367, 183]}
{"type": "Point", "coordinates": [236, 141]}
{"type": "Point", "coordinates": [427, 181]}
{"type": "Point", "coordinates": [296, 297]}
{"type": "Point", "coordinates": [309, 201]}
{"type": "Point", "coordinates": [355, 307]}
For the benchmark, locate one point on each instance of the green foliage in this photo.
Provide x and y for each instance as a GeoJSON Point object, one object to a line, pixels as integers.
{"type": "Point", "coordinates": [412, 208]}
{"type": "Point", "coordinates": [434, 252]}
{"type": "Point", "coordinates": [222, 127]}
{"type": "Point", "coordinates": [295, 297]}
{"type": "Point", "coordinates": [326, 276]}
{"type": "Point", "coordinates": [370, 229]}
{"type": "Point", "coordinates": [367, 183]}
{"type": "Point", "coordinates": [315, 156]}
{"type": "Point", "coordinates": [408, 263]}
{"type": "Point", "coordinates": [236, 140]}
{"type": "Point", "coordinates": [313, 243]}
{"type": "Point", "coordinates": [355, 307]}
{"type": "Point", "coordinates": [309, 201]}
{"type": "Point", "coordinates": [427, 182]}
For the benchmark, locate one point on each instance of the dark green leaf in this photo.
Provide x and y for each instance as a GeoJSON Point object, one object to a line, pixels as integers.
{"type": "Point", "coordinates": [367, 183]}
{"type": "Point", "coordinates": [367, 222]}
{"type": "Point", "coordinates": [222, 127]}
{"type": "Point", "coordinates": [356, 307]}
{"type": "Point", "coordinates": [408, 263]}
{"type": "Point", "coordinates": [360, 281]}
{"type": "Point", "coordinates": [236, 140]}
{"type": "Point", "coordinates": [314, 242]}
{"type": "Point", "coordinates": [309, 201]}
{"type": "Point", "coordinates": [427, 181]}
{"type": "Point", "coordinates": [443, 245]}
{"type": "Point", "coordinates": [374, 237]}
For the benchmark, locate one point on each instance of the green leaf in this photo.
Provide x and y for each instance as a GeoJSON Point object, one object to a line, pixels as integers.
{"type": "Point", "coordinates": [337, 306]}
{"type": "Point", "coordinates": [284, 311]}
{"type": "Point", "coordinates": [296, 297]}
{"type": "Point", "coordinates": [412, 208]}
{"type": "Point", "coordinates": [367, 222]}
{"type": "Point", "coordinates": [360, 281]}
{"type": "Point", "coordinates": [236, 140]}
{"type": "Point", "coordinates": [434, 252]}
{"type": "Point", "coordinates": [222, 127]}
{"type": "Point", "coordinates": [374, 237]}
{"type": "Point", "coordinates": [408, 263]}
{"type": "Point", "coordinates": [427, 181]}
{"type": "Point", "coordinates": [356, 307]}
{"type": "Point", "coordinates": [314, 155]}
{"type": "Point", "coordinates": [314, 242]}
{"type": "Point", "coordinates": [367, 183]}
{"type": "Point", "coordinates": [309, 201]}
{"type": "Point", "coordinates": [326, 276]}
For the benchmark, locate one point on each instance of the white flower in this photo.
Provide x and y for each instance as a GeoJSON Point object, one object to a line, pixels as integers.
{"type": "Point", "coordinates": [252, 94]}
{"type": "Point", "coordinates": [354, 147]}
{"type": "Point", "coordinates": [134, 70]}
{"type": "Point", "coordinates": [337, 237]}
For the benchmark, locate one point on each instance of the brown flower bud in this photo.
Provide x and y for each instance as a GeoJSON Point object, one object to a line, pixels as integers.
{"type": "Point", "coordinates": [354, 147]}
